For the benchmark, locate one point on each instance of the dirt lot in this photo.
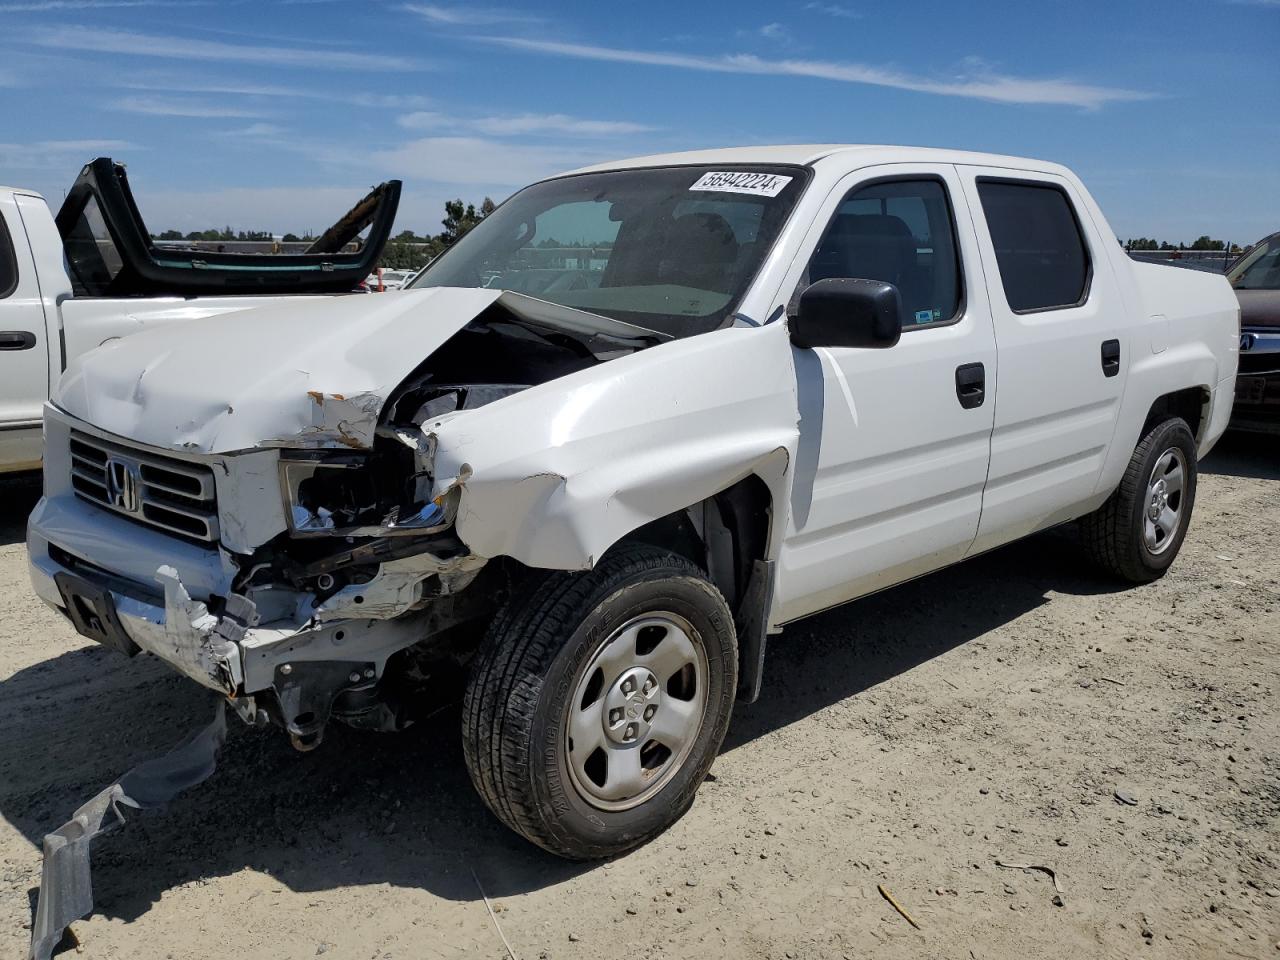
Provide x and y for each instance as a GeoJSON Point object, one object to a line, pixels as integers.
{"type": "Point", "coordinates": [986, 713]}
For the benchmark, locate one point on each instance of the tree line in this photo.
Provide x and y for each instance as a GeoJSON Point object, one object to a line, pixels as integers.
{"type": "Point", "coordinates": [226, 233]}
{"type": "Point", "coordinates": [1200, 243]}
{"type": "Point", "coordinates": [407, 250]}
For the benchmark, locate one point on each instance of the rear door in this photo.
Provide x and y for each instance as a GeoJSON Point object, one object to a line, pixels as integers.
{"type": "Point", "coordinates": [893, 442]}
{"type": "Point", "coordinates": [24, 357]}
{"type": "Point", "coordinates": [1059, 328]}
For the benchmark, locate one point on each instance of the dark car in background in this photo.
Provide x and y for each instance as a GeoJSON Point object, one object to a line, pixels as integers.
{"type": "Point", "coordinates": [1255, 277]}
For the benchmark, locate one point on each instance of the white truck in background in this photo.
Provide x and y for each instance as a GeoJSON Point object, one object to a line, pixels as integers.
{"type": "Point", "coordinates": [91, 275]}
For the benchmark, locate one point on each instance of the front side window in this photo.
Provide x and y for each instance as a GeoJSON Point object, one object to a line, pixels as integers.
{"type": "Point", "coordinates": [1039, 246]}
{"type": "Point", "coordinates": [671, 248]}
{"type": "Point", "coordinates": [8, 262]}
{"type": "Point", "coordinates": [1259, 269]}
{"type": "Point", "coordinates": [900, 232]}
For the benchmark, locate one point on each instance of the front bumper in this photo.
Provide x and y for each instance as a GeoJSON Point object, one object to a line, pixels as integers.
{"type": "Point", "coordinates": [229, 651]}
{"type": "Point", "coordinates": [1257, 400]}
{"type": "Point", "coordinates": [277, 653]}
{"type": "Point", "coordinates": [280, 650]}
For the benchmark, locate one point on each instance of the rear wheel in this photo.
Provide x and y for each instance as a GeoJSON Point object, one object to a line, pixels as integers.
{"type": "Point", "coordinates": [599, 700]}
{"type": "Point", "coordinates": [1137, 533]}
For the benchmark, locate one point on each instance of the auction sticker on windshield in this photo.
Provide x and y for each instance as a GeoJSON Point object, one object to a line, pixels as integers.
{"type": "Point", "coordinates": [761, 184]}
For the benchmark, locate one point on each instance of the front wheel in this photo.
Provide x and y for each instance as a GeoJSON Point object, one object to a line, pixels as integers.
{"type": "Point", "coordinates": [1137, 533]}
{"type": "Point", "coordinates": [599, 700]}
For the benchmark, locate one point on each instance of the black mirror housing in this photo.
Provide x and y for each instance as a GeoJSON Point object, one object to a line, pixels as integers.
{"type": "Point", "coordinates": [838, 312]}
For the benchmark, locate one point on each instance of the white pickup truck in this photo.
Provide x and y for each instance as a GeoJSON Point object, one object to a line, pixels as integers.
{"type": "Point", "coordinates": [642, 417]}
{"type": "Point", "coordinates": [93, 275]}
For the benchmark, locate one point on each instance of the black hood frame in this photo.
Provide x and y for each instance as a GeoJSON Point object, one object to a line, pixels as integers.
{"type": "Point", "coordinates": [145, 269]}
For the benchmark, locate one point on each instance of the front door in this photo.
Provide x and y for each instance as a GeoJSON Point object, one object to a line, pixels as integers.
{"type": "Point", "coordinates": [894, 443]}
{"type": "Point", "coordinates": [24, 357]}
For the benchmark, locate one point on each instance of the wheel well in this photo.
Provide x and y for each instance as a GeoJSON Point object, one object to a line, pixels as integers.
{"type": "Point", "coordinates": [1191, 404]}
{"type": "Point", "coordinates": [724, 534]}
{"type": "Point", "coordinates": [727, 535]}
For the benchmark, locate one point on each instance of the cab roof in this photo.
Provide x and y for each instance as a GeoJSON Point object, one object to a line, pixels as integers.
{"type": "Point", "coordinates": [20, 192]}
{"type": "Point", "coordinates": [856, 154]}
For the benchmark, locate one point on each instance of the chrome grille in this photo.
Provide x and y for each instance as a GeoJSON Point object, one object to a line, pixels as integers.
{"type": "Point", "coordinates": [162, 492]}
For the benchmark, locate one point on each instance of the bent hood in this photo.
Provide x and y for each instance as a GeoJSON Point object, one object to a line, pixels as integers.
{"type": "Point", "coordinates": [300, 374]}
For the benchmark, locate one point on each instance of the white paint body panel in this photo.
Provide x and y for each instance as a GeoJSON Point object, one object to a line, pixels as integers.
{"type": "Point", "coordinates": [24, 374]}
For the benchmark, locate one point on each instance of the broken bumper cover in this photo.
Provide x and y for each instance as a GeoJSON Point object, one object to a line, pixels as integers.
{"type": "Point", "coordinates": [303, 661]}
{"type": "Point", "coordinates": [159, 617]}
{"type": "Point", "coordinates": [66, 887]}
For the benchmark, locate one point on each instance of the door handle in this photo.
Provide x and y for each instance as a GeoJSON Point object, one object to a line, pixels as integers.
{"type": "Point", "coordinates": [1110, 358]}
{"type": "Point", "coordinates": [16, 340]}
{"type": "Point", "coordinates": [971, 385]}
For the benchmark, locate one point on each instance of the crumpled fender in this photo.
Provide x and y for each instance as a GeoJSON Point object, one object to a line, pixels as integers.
{"type": "Point", "coordinates": [554, 475]}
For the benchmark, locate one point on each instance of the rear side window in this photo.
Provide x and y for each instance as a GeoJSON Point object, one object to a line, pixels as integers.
{"type": "Point", "coordinates": [92, 256]}
{"type": "Point", "coordinates": [8, 262]}
{"type": "Point", "coordinates": [1039, 245]}
{"type": "Point", "coordinates": [900, 232]}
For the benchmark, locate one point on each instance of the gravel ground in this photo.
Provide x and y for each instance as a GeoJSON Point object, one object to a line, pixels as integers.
{"type": "Point", "coordinates": [991, 712]}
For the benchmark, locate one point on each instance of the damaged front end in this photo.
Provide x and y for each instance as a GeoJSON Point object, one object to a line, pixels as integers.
{"type": "Point", "coordinates": [318, 575]}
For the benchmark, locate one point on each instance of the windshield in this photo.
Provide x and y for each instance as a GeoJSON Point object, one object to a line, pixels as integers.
{"type": "Point", "coordinates": [672, 249]}
{"type": "Point", "coordinates": [1259, 269]}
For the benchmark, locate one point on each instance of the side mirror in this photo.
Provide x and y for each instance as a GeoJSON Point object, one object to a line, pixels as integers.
{"type": "Point", "coordinates": [848, 313]}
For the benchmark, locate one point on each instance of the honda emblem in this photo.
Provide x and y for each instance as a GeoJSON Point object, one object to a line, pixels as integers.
{"type": "Point", "coordinates": [122, 485]}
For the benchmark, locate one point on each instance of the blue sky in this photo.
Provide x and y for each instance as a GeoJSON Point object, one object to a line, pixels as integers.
{"type": "Point", "coordinates": [276, 114]}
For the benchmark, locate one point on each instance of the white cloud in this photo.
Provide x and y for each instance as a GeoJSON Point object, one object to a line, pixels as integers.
{"type": "Point", "coordinates": [556, 123]}
{"type": "Point", "coordinates": [166, 107]}
{"type": "Point", "coordinates": [389, 101]}
{"type": "Point", "coordinates": [522, 123]}
{"type": "Point", "coordinates": [430, 120]}
{"type": "Point", "coordinates": [269, 132]}
{"type": "Point", "coordinates": [134, 44]}
{"type": "Point", "coordinates": [41, 6]}
{"type": "Point", "coordinates": [774, 31]}
{"type": "Point", "coordinates": [71, 154]}
{"type": "Point", "coordinates": [834, 10]}
{"type": "Point", "coordinates": [478, 161]}
{"type": "Point", "coordinates": [468, 16]}
{"type": "Point", "coordinates": [984, 86]}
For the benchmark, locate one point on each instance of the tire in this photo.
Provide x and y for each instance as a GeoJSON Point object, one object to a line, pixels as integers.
{"type": "Point", "coordinates": [1119, 534]}
{"type": "Point", "coordinates": [553, 665]}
